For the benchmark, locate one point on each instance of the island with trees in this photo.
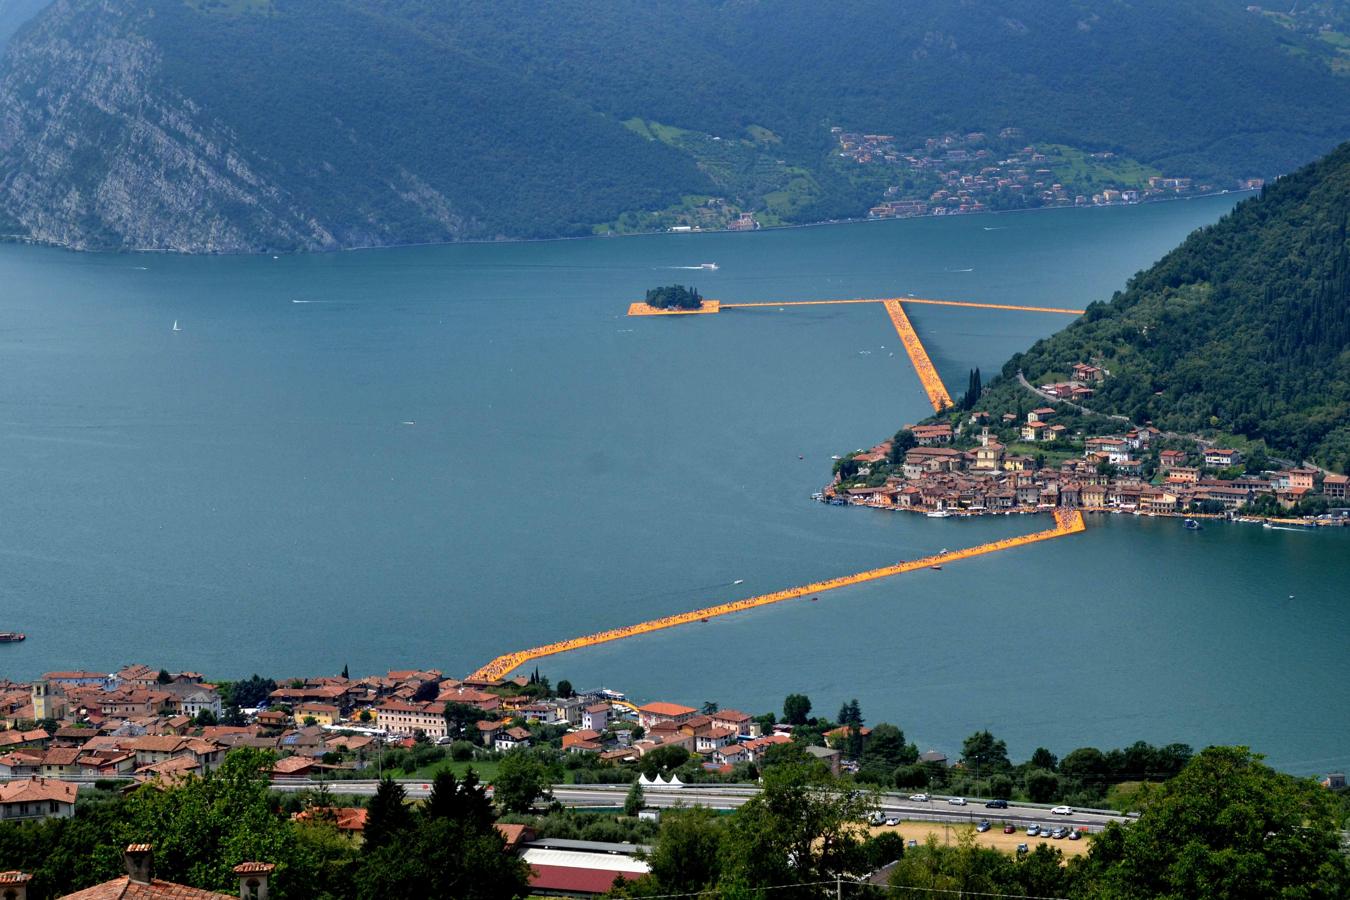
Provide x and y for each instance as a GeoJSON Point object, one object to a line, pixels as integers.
{"type": "Point", "coordinates": [674, 296]}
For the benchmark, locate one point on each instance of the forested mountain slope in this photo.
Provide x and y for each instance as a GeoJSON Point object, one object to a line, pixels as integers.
{"type": "Point", "coordinates": [252, 124]}
{"type": "Point", "coordinates": [1244, 328]}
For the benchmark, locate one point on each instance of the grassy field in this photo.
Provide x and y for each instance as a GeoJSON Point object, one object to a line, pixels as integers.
{"type": "Point", "coordinates": [486, 769]}
{"type": "Point", "coordinates": [1073, 166]}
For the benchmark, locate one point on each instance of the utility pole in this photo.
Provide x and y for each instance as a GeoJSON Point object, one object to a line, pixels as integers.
{"type": "Point", "coordinates": [838, 887]}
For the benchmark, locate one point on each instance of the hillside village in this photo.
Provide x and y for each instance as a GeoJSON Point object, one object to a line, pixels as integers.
{"type": "Point", "coordinates": [977, 172]}
{"type": "Point", "coordinates": [1047, 458]}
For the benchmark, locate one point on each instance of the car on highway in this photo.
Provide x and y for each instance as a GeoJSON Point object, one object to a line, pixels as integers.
{"type": "Point", "coordinates": [983, 826]}
{"type": "Point", "coordinates": [996, 804]}
{"type": "Point", "coordinates": [1010, 828]}
{"type": "Point", "coordinates": [919, 798]}
{"type": "Point", "coordinates": [1062, 810]}
{"type": "Point", "coordinates": [957, 801]}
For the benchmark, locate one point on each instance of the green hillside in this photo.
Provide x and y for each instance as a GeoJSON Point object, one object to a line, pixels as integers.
{"type": "Point", "coordinates": [249, 124]}
{"type": "Point", "coordinates": [1242, 330]}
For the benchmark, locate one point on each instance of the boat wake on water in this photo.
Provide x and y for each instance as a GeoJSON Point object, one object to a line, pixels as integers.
{"type": "Point", "coordinates": [958, 270]}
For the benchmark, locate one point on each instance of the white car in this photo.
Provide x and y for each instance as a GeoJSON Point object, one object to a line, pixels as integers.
{"type": "Point", "coordinates": [957, 801]}
{"type": "Point", "coordinates": [1062, 810]}
{"type": "Point", "coordinates": [919, 798]}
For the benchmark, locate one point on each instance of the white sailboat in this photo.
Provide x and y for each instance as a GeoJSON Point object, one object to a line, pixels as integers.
{"type": "Point", "coordinates": [176, 326]}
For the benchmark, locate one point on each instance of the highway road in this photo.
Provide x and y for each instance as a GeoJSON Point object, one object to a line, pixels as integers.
{"type": "Point", "coordinates": [731, 796]}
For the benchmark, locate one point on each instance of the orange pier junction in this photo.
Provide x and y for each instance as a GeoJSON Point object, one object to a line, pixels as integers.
{"type": "Point", "coordinates": [1066, 521]}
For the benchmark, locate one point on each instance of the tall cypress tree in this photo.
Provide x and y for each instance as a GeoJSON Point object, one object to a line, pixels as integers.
{"type": "Point", "coordinates": [388, 818]}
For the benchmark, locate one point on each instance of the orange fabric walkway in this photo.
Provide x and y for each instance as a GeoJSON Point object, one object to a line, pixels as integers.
{"type": "Point", "coordinates": [923, 366]}
{"type": "Point", "coordinates": [923, 300]}
{"type": "Point", "coordinates": [1066, 522]}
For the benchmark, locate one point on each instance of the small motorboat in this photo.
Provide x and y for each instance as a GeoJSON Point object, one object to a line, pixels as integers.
{"type": "Point", "coordinates": [1192, 525]}
{"type": "Point", "coordinates": [936, 568]}
{"type": "Point", "coordinates": [12, 637]}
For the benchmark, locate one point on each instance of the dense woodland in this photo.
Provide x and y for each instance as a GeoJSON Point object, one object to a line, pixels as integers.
{"type": "Point", "coordinates": [1243, 330]}
{"type": "Point", "coordinates": [408, 120]}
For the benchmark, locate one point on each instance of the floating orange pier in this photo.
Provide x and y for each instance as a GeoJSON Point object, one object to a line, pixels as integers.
{"type": "Point", "coordinates": [1067, 521]}
{"type": "Point", "coordinates": [923, 366]}
{"type": "Point", "coordinates": [644, 309]}
{"type": "Point", "coordinates": [920, 300]}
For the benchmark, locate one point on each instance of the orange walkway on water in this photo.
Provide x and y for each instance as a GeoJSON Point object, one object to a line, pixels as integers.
{"type": "Point", "coordinates": [1067, 521]}
{"type": "Point", "coordinates": [923, 366]}
{"type": "Point", "coordinates": [922, 300]}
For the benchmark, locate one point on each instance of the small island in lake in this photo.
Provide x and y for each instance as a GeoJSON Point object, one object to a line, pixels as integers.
{"type": "Point", "coordinates": [674, 296]}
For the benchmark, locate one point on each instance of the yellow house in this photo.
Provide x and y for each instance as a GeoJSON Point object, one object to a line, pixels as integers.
{"type": "Point", "coordinates": [321, 713]}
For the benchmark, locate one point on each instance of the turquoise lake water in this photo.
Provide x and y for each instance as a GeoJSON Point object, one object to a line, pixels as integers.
{"type": "Point", "coordinates": [249, 495]}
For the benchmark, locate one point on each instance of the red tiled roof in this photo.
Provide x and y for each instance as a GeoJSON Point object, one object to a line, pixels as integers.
{"type": "Point", "coordinates": [124, 887]}
{"type": "Point", "coordinates": [39, 790]}
{"type": "Point", "coordinates": [581, 881]}
{"type": "Point", "coordinates": [666, 709]}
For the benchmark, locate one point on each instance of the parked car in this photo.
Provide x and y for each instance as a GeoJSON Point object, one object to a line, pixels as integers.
{"type": "Point", "coordinates": [893, 821]}
{"type": "Point", "coordinates": [1063, 810]}
{"type": "Point", "coordinates": [1010, 828]}
{"type": "Point", "coordinates": [912, 843]}
{"type": "Point", "coordinates": [878, 818]}
{"type": "Point", "coordinates": [1075, 835]}
{"type": "Point", "coordinates": [983, 826]}
{"type": "Point", "coordinates": [1059, 833]}
{"type": "Point", "coordinates": [957, 801]}
{"type": "Point", "coordinates": [1033, 830]}
{"type": "Point", "coordinates": [919, 798]}
{"type": "Point", "coordinates": [1021, 848]}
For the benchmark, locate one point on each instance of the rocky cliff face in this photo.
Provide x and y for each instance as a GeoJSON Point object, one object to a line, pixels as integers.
{"type": "Point", "coordinates": [97, 151]}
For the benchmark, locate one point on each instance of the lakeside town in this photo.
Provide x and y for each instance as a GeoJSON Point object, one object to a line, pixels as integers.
{"type": "Point", "coordinates": [1043, 459]}
{"type": "Point", "coordinates": [976, 172]}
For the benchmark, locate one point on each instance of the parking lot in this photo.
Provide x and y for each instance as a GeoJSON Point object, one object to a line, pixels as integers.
{"type": "Point", "coordinates": [994, 837]}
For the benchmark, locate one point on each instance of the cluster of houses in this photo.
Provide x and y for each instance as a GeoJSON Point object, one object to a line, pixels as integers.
{"type": "Point", "coordinates": [137, 725]}
{"type": "Point", "coordinates": [1122, 472]}
{"type": "Point", "coordinates": [963, 173]}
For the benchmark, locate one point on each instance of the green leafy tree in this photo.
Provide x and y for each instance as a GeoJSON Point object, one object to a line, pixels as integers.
{"type": "Point", "coordinates": [205, 826]}
{"type": "Point", "coordinates": [674, 296]}
{"type": "Point", "coordinates": [1042, 758]}
{"type": "Point", "coordinates": [445, 859]}
{"type": "Point", "coordinates": [564, 688]}
{"type": "Point", "coordinates": [521, 780]}
{"type": "Point", "coordinates": [635, 801]}
{"type": "Point", "coordinates": [1227, 827]}
{"type": "Point", "coordinates": [687, 855]}
{"type": "Point", "coordinates": [460, 718]}
{"type": "Point", "coordinates": [801, 827]}
{"type": "Point", "coordinates": [982, 754]}
{"type": "Point", "coordinates": [1042, 786]}
{"type": "Point", "coordinates": [903, 442]}
{"type": "Point", "coordinates": [796, 708]}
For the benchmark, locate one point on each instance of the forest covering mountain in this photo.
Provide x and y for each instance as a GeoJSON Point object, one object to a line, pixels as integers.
{"type": "Point", "coordinates": [220, 125]}
{"type": "Point", "coordinates": [1242, 330]}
